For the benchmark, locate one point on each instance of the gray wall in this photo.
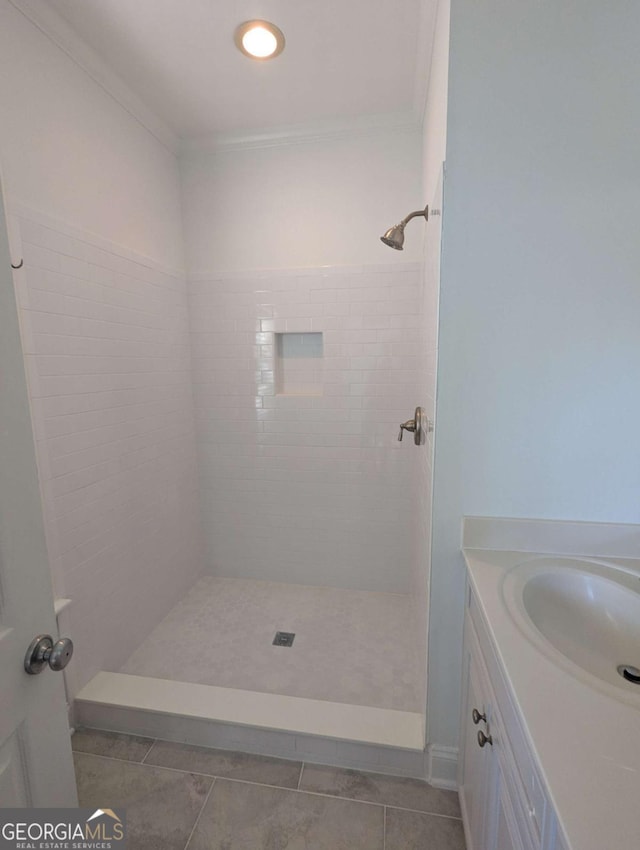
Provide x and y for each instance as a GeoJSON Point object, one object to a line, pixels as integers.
{"type": "Point", "coordinates": [539, 359]}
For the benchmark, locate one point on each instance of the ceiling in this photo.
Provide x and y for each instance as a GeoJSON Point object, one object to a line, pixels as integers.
{"type": "Point", "coordinates": [345, 61]}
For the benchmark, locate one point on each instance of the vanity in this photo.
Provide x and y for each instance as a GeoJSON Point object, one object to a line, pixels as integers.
{"type": "Point", "coordinates": [550, 728]}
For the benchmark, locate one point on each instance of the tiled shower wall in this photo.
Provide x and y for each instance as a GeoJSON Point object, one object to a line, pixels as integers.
{"type": "Point", "coordinates": [313, 489]}
{"type": "Point", "coordinates": [423, 480]}
{"type": "Point", "coordinates": [105, 334]}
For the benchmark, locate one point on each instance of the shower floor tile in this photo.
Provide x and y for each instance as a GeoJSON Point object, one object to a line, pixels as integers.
{"type": "Point", "coordinates": [350, 646]}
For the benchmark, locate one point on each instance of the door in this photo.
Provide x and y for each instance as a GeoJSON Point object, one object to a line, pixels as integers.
{"type": "Point", "coordinates": [36, 767]}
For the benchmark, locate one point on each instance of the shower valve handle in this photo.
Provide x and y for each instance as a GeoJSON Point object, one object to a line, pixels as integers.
{"type": "Point", "coordinates": [419, 426]}
{"type": "Point", "coordinates": [409, 425]}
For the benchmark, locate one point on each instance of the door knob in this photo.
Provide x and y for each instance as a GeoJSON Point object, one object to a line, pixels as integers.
{"type": "Point", "coordinates": [42, 651]}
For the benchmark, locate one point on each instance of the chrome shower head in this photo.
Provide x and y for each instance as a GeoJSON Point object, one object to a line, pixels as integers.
{"type": "Point", "coordinates": [394, 237]}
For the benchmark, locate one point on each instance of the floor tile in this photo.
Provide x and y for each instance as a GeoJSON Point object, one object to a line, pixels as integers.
{"type": "Point", "coordinates": [376, 788]}
{"type": "Point", "coordinates": [239, 816]}
{"type": "Point", "coordinates": [111, 744]}
{"type": "Point", "coordinates": [161, 805]}
{"type": "Point", "coordinates": [232, 765]}
{"type": "Point", "coordinates": [414, 831]}
{"type": "Point", "coordinates": [351, 646]}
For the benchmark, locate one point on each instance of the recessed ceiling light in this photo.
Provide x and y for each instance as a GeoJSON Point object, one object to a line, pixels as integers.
{"type": "Point", "coordinates": [259, 39]}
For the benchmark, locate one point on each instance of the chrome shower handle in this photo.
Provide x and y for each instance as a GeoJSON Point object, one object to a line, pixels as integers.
{"type": "Point", "coordinates": [409, 425]}
{"type": "Point", "coordinates": [419, 427]}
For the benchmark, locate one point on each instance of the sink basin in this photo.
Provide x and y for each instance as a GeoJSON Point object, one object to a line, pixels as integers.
{"type": "Point", "coordinates": [584, 615]}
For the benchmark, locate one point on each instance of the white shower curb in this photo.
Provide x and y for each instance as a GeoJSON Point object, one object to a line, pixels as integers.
{"type": "Point", "coordinates": [357, 736]}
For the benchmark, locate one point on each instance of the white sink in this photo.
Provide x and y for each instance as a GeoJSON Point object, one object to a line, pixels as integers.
{"type": "Point", "coordinates": [585, 615]}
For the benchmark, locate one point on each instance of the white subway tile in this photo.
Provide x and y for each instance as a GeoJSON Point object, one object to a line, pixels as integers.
{"type": "Point", "coordinates": [111, 402]}
{"type": "Point", "coordinates": [112, 389]}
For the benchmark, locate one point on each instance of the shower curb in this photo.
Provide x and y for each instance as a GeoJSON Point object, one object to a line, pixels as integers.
{"type": "Point", "coordinates": [359, 737]}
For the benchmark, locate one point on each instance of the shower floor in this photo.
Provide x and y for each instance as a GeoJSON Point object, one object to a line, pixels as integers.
{"type": "Point", "coordinates": [350, 646]}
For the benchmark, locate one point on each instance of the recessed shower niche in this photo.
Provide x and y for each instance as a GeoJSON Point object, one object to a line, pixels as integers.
{"type": "Point", "coordinates": [298, 364]}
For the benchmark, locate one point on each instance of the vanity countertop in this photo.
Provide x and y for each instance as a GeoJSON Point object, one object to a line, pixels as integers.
{"type": "Point", "coordinates": [586, 743]}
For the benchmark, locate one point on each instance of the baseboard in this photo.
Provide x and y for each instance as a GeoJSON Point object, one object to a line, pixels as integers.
{"type": "Point", "coordinates": [442, 766]}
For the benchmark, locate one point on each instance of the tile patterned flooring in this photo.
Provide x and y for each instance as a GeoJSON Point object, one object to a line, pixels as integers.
{"type": "Point", "coordinates": [179, 797]}
{"type": "Point", "coordinates": [351, 646]}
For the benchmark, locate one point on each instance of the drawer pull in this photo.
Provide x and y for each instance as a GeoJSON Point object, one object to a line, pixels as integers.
{"type": "Point", "coordinates": [477, 717]}
{"type": "Point", "coordinates": [484, 739]}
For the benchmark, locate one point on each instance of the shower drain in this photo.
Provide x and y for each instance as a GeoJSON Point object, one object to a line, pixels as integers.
{"type": "Point", "coordinates": [286, 639]}
{"type": "Point", "coordinates": [631, 674]}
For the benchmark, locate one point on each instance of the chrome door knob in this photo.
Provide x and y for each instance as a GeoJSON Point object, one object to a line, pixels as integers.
{"type": "Point", "coordinates": [484, 739]}
{"type": "Point", "coordinates": [477, 717]}
{"type": "Point", "coordinates": [42, 651]}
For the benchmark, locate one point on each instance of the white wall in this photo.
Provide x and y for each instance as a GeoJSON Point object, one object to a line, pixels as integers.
{"type": "Point", "coordinates": [423, 470]}
{"type": "Point", "coordinates": [433, 156]}
{"type": "Point", "coordinates": [539, 361]}
{"type": "Point", "coordinates": [95, 205]}
{"type": "Point", "coordinates": [309, 490]}
{"type": "Point", "coordinates": [306, 204]}
{"type": "Point", "coordinates": [106, 342]}
{"type": "Point", "coordinates": [312, 489]}
{"type": "Point", "coordinates": [435, 116]}
{"type": "Point", "coordinates": [69, 150]}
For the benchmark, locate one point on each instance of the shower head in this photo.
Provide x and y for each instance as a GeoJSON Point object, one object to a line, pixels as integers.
{"type": "Point", "coordinates": [394, 237]}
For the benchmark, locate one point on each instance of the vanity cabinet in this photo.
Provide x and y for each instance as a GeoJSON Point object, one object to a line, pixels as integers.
{"type": "Point", "coordinates": [504, 805]}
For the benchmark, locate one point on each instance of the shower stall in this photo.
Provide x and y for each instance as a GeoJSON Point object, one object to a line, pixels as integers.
{"type": "Point", "coordinates": [309, 506]}
{"type": "Point", "coordinates": [220, 466]}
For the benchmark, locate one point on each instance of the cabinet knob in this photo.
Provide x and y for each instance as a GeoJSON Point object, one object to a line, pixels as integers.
{"type": "Point", "coordinates": [484, 739]}
{"type": "Point", "coordinates": [477, 717]}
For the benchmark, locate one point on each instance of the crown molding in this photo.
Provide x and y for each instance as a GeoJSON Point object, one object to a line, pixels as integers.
{"type": "Point", "coordinates": [52, 25]}
{"type": "Point", "coordinates": [299, 134]}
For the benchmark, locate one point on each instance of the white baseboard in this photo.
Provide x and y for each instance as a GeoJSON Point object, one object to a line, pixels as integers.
{"type": "Point", "coordinates": [442, 764]}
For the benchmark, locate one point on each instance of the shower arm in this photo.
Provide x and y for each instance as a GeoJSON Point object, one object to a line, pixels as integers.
{"type": "Point", "coordinates": [424, 212]}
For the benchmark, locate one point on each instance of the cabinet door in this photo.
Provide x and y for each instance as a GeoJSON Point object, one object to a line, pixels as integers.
{"type": "Point", "coordinates": [506, 828]}
{"type": "Point", "coordinates": [503, 831]}
{"type": "Point", "coordinates": [505, 834]}
{"type": "Point", "coordinates": [475, 772]}
{"type": "Point", "coordinates": [557, 842]}
{"type": "Point", "coordinates": [503, 803]}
